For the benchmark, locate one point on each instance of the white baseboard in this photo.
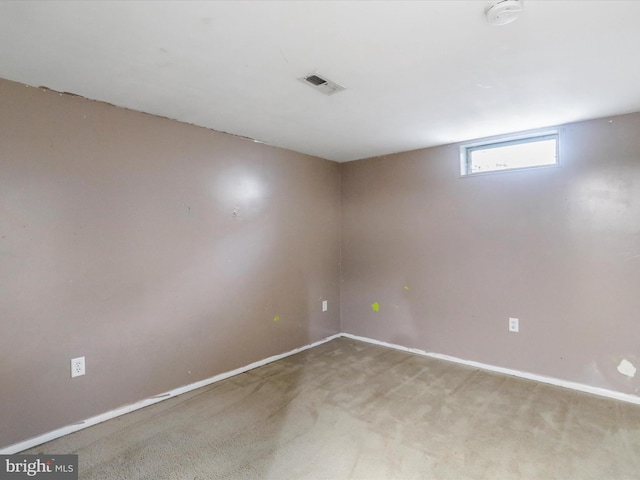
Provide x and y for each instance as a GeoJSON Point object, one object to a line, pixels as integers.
{"type": "Point", "coordinates": [603, 392]}
{"type": "Point", "coordinates": [46, 437]}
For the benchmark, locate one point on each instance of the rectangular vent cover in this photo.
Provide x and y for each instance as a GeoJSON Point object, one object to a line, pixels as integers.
{"type": "Point", "coordinates": [321, 83]}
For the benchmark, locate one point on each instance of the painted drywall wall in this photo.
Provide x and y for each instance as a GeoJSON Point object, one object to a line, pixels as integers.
{"type": "Point", "coordinates": [162, 252]}
{"type": "Point", "coordinates": [437, 262]}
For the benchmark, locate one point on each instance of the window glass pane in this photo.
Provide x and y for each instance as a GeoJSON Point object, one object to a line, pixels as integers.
{"type": "Point", "coordinates": [526, 153]}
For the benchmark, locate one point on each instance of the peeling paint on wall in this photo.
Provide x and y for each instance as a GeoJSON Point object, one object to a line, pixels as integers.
{"type": "Point", "coordinates": [627, 368]}
{"type": "Point", "coordinates": [375, 306]}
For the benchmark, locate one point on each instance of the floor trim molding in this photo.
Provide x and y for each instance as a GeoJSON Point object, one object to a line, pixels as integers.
{"type": "Point", "coordinates": [603, 392]}
{"type": "Point", "coordinates": [46, 437]}
{"type": "Point", "coordinates": [52, 435]}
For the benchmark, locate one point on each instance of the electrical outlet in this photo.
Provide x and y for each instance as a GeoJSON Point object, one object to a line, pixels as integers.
{"type": "Point", "coordinates": [77, 367]}
{"type": "Point", "coordinates": [325, 306]}
{"type": "Point", "coordinates": [514, 325]}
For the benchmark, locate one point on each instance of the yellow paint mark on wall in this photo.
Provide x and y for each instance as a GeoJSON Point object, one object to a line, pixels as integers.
{"type": "Point", "coordinates": [276, 318]}
{"type": "Point", "coordinates": [375, 306]}
{"type": "Point", "coordinates": [405, 287]}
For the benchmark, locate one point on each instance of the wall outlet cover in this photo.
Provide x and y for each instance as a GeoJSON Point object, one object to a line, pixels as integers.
{"type": "Point", "coordinates": [77, 367]}
{"type": "Point", "coordinates": [514, 324]}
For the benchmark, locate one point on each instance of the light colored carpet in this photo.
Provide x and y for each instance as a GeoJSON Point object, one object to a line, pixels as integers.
{"type": "Point", "coordinates": [347, 410]}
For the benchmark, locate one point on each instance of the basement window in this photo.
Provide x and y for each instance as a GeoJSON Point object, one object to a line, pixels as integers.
{"type": "Point", "coordinates": [510, 153]}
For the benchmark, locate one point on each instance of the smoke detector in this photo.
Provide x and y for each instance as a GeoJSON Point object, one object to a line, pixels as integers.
{"type": "Point", "coordinates": [501, 12]}
{"type": "Point", "coordinates": [321, 83]}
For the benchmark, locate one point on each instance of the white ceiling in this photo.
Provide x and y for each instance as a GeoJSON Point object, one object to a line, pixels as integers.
{"type": "Point", "coordinates": [418, 73]}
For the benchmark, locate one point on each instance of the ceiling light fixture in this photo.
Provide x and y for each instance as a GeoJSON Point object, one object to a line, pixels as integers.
{"type": "Point", "coordinates": [501, 12]}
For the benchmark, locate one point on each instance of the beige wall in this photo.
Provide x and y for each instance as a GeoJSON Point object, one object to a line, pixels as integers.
{"type": "Point", "coordinates": [559, 248]}
{"type": "Point", "coordinates": [163, 252]}
{"type": "Point", "coordinates": [160, 251]}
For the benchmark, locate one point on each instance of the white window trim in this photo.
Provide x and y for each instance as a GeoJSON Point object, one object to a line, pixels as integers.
{"type": "Point", "coordinates": [505, 140]}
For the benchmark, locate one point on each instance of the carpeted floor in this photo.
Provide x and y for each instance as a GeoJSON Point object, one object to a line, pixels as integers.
{"type": "Point", "coordinates": [347, 410]}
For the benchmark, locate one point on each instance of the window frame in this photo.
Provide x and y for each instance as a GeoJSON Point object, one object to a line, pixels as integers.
{"type": "Point", "coordinates": [505, 141]}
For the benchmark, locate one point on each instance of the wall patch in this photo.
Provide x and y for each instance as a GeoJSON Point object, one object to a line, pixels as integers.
{"type": "Point", "coordinates": [627, 368]}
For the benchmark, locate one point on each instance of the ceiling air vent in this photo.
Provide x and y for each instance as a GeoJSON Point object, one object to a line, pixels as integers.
{"type": "Point", "coordinates": [321, 83]}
